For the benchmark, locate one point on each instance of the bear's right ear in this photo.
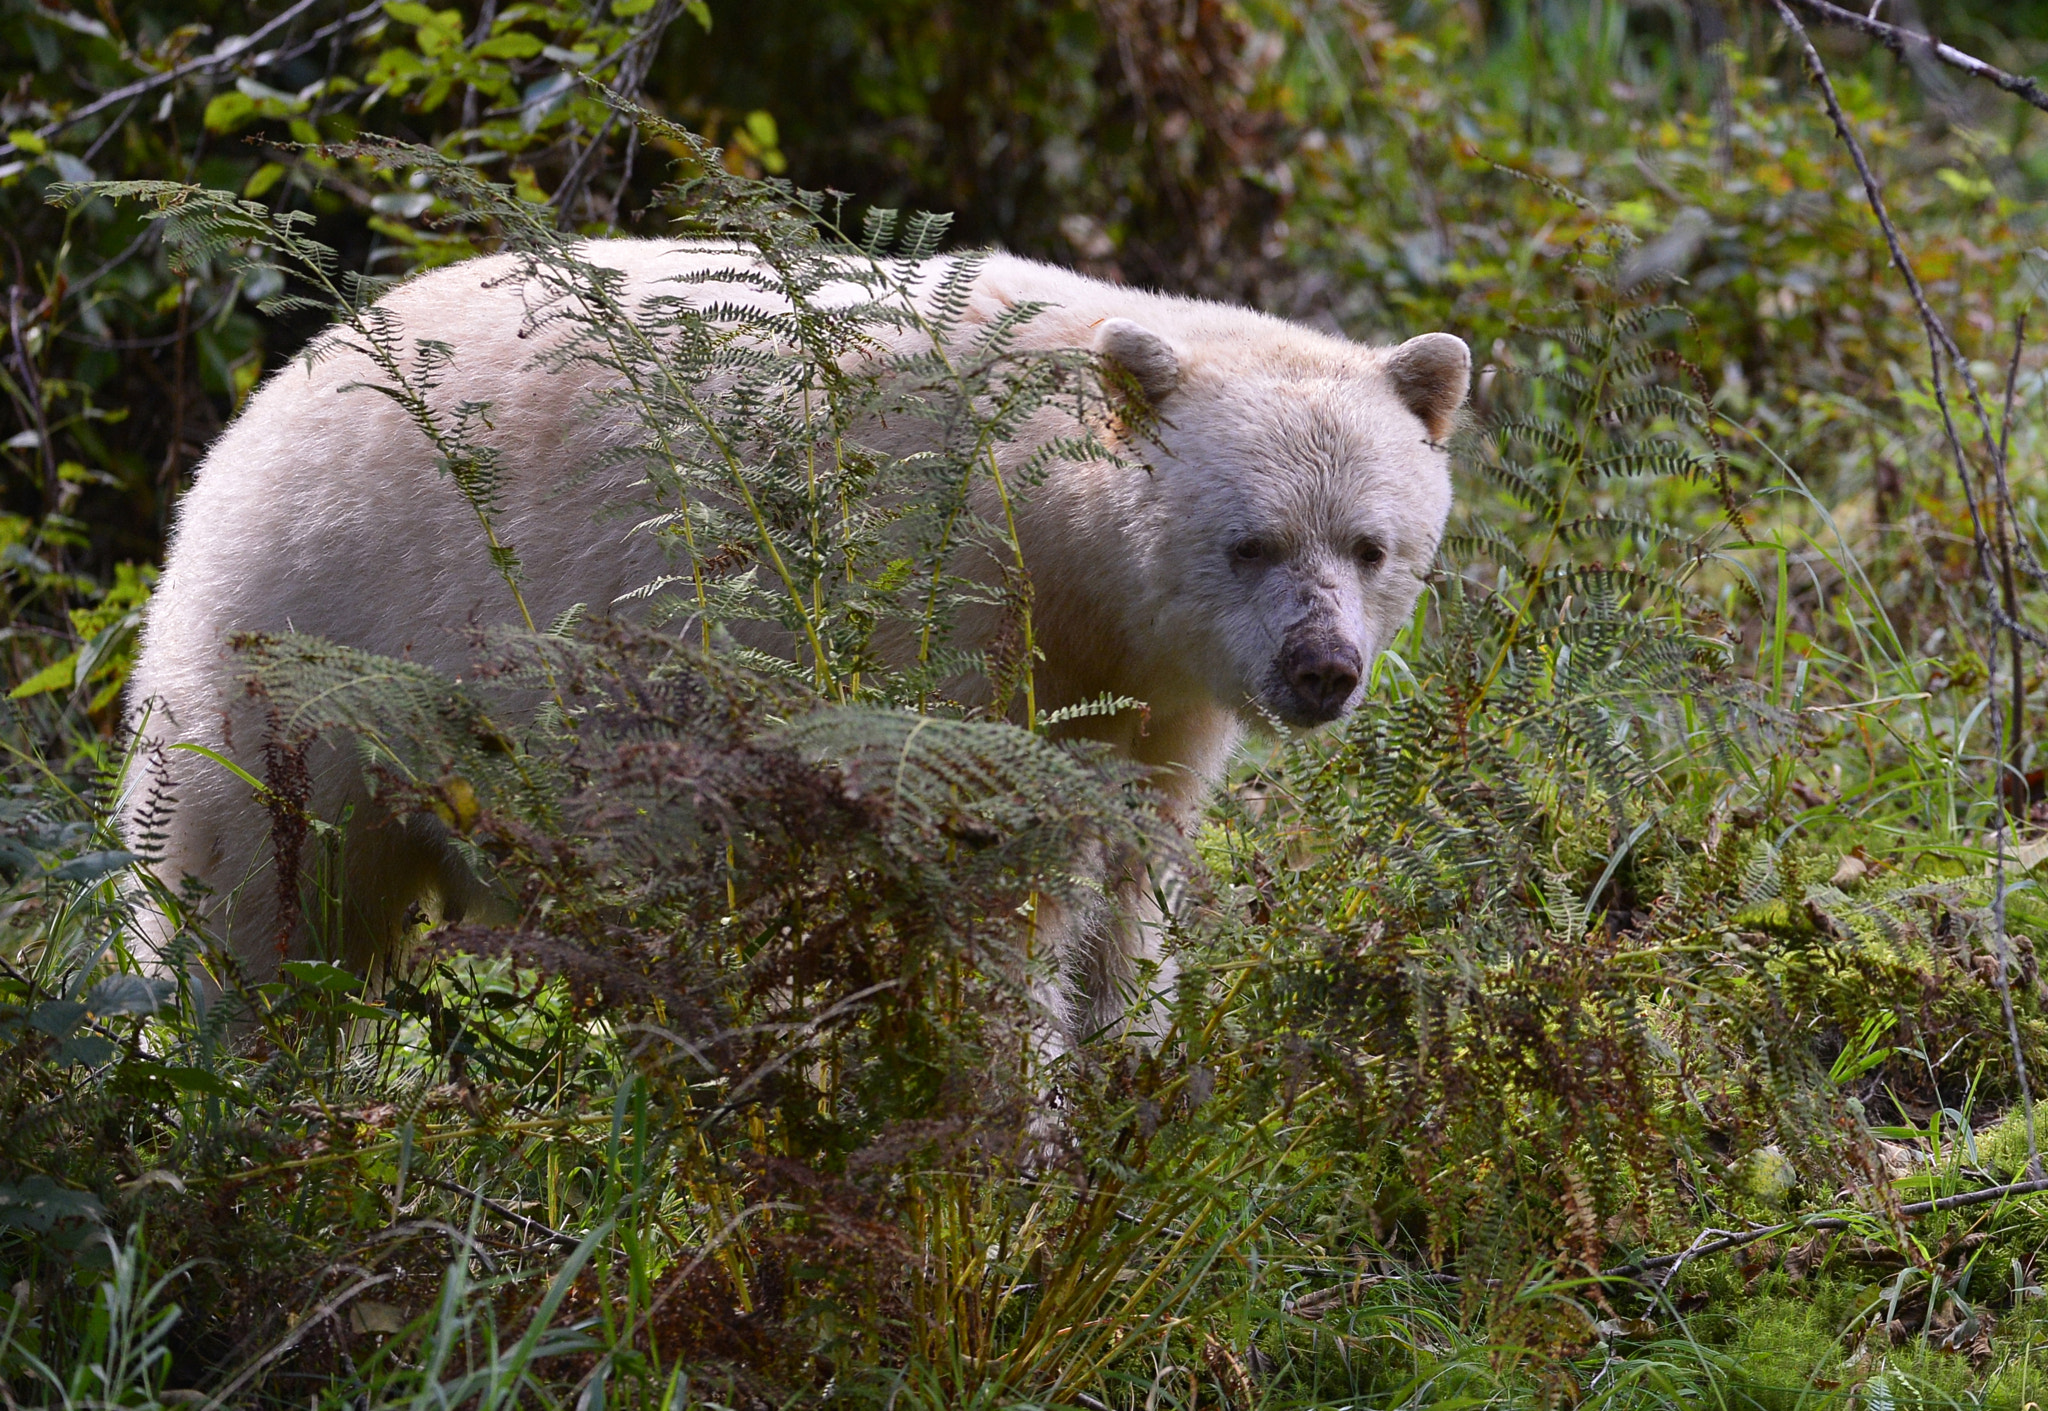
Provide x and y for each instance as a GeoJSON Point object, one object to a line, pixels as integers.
{"type": "Point", "coordinates": [1147, 357]}
{"type": "Point", "coordinates": [1431, 375]}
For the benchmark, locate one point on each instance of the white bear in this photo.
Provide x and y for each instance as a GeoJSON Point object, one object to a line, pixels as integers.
{"type": "Point", "coordinates": [1273, 539]}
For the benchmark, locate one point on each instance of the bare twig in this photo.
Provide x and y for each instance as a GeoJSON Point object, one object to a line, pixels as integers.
{"type": "Point", "coordinates": [330, 30]}
{"type": "Point", "coordinates": [1900, 40]}
{"type": "Point", "coordinates": [564, 199]}
{"type": "Point", "coordinates": [233, 51]}
{"type": "Point", "coordinates": [486, 19]}
{"type": "Point", "coordinates": [1315, 1304]}
{"type": "Point", "coordinates": [174, 454]}
{"type": "Point", "coordinates": [626, 173]}
{"type": "Point", "coordinates": [149, 232]}
{"type": "Point", "coordinates": [457, 1239]}
{"type": "Point", "coordinates": [1942, 347]}
{"type": "Point", "coordinates": [111, 128]}
{"type": "Point", "coordinates": [32, 391]}
{"type": "Point", "coordinates": [2016, 747]}
{"type": "Point", "coordinates": [1703, 1247]}
{"type": "Point", "coordinates": [636, 58]}
{"type": "Point", "coordinates": [527, 1222]}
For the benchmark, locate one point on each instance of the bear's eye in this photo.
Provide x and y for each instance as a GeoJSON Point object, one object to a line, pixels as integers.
{"type": "Point", "coordinates": [1250, 549]}
{"type": "Point", "coordinates": [1370, 553]}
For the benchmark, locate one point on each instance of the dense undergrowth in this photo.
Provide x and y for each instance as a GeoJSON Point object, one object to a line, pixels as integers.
{"type": "Point", "coordinates": [1657, 890]}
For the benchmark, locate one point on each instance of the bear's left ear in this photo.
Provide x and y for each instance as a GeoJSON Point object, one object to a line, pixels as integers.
{"type": "Point", "coordinates": [1147, 357]}
{"type": "Point", "coordinates": [1430, 375]}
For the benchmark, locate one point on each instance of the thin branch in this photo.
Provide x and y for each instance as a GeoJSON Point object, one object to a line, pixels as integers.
{"type": "Point", "coordinates": [457, 1239]}
{"type": "Point", "coordinates": [2016, 751]}
{"type": "Point", "coordinates": [1988, 1195]}
{"type": "Point", "coordinates": [318, 37]}
{"type": "Point", "coordinates": [234, 50]}
{"type": "Point", "coordinates": [564, 199]}
{"type": "Point", "coordinates": [111, 128]}
{"type": "Point", "coordinates": [1937, 331]}
{"type": "Point", "coordinates": [635, 59]}
{"type": "Point", "coordinates": [1941, 346]}
{"type": "Point", "coordinates": [626, 174]}
{"type": "Point", "coordinates": [547, 1235]}
{"type": "Point", "coordinates": [2012, 377]}
{"type": "Point", "coordinates": [1899, 40]}
{"type": "Point", "coordinates": [32, 390]}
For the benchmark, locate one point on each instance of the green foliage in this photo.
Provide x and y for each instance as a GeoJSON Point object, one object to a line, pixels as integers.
{"type": "Point", "coordinates": [1494, 914]}
{"type": "Point", "coordinates": [1650, 893]}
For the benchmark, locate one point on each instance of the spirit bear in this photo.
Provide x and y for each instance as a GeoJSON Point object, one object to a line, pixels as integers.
{"type": "Point", "coordinates": [1247, 564]}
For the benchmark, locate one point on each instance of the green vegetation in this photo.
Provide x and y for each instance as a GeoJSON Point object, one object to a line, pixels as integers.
{"type": "Point", "coordinates": [1663, 895]}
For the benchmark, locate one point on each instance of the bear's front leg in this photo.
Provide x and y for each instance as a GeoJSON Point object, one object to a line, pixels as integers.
{"type": "Point", "coordinates": [1110, 976]}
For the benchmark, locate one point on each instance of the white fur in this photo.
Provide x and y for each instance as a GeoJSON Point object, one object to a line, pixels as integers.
{"type": "Point", "coordinates": [321, 511]}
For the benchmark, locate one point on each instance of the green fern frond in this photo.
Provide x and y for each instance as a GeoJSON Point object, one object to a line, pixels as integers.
{"type": "Point", "coordinates": [1648, 532]}
{"type": "Point", "coordinates": [1655, 461]}
{"type": "Point", "coordinates": [1552, 438]}
{"type": "Point", "coordinates": [1484, 541]}
{"type": "Point", "coordinates": [1519, 481]}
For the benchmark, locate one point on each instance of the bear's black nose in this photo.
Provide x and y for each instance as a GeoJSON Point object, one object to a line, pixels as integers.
{"type": "Point", "coordinates": [1323, 675]}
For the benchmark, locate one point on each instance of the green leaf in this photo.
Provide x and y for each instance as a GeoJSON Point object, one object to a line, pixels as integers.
{"type": "Point", "coordinates": [224, 762]}
{"type": "Point", "coordinates": [700, 12]}
{"type": "Point", "coordinates": [1974, 188]}
{"type": "Point", "coordinates": [228, 111]}
{"type": "Point", "coordinates": [270, 100]}
{"type": "Point", "coordinates": [1862, 1053]}
{"type": "Point", "coordinates": [130, 994]}
{"type": "Point", "coordinates": [16, 860]}
{"type": "Point", "coordinates": [200, 1080]}
{"type": "Point", "coordinates": [262, 179]}
{"type": "Point", "coordinates": [39, 1203]}
{"type": "Point", "coordinates": [323, 975]}
{"type": "Point", "coordinates": [396, 66]}
{"type": "Point", "coordinates": [72, 20]}
{"type": "Point", "coordinates": [91, 866]}
{"type": "Point", "coordinates": [406, 12]}
{"type": "Point", "coordinates": [57, 1017]}
{"type": "Point", "coordinates": [57, 676]}
{"type": "Point", "coordinates": [516, 45]}
{"type": "Point", "coordinates": [84, 1051]}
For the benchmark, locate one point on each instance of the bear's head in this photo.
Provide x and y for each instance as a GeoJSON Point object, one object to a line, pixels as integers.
{"type": "Point", "coordinates": [1295, 491]}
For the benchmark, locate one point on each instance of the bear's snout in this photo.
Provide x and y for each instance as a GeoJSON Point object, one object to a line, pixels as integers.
{"type": "Point", "coordinates": [1320, 674]}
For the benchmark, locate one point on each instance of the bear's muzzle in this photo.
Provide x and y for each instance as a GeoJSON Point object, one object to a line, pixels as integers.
{"type": "Point", "coordinates": [1318, 674]}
